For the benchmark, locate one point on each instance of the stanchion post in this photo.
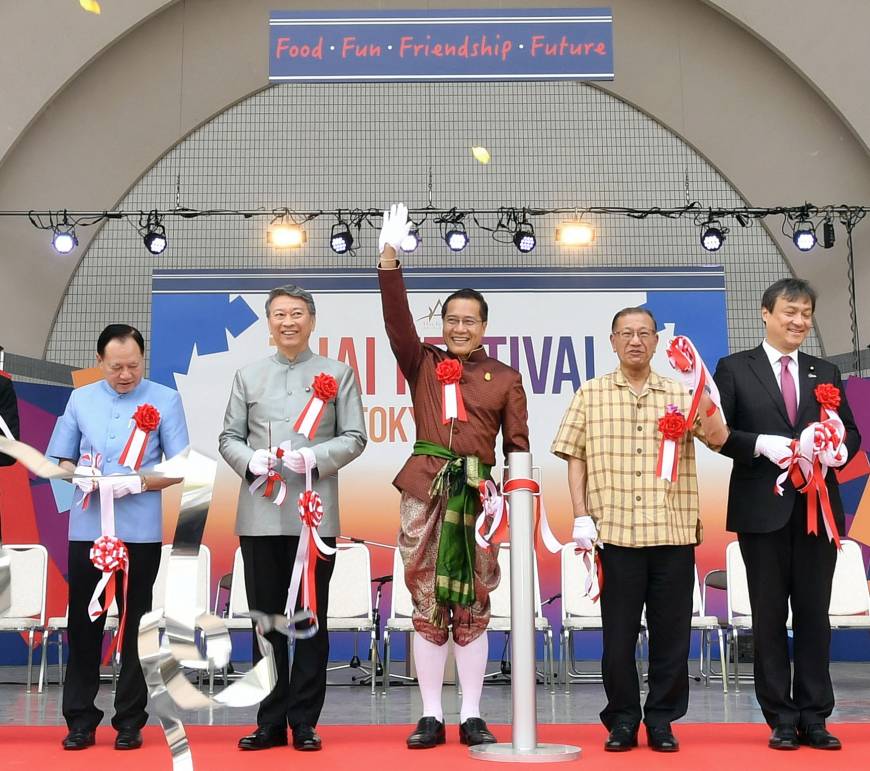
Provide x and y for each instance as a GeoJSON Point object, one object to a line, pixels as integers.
{"type": "Point", "coordinates": [524, 747]}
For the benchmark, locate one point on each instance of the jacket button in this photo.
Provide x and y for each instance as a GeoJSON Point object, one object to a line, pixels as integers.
{"type": "Point", "coordinates": [637, 497]}
{"type": "Point", "coordinates": [637, 473]}
{"type": "Point", "coordinates": [640, 428]}
{"type": "Point", "coordinates": [639, 451]}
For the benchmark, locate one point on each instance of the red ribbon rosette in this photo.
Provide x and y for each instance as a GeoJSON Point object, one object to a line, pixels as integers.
{"type": "Point", "coordinates": [109, 555]}
{"type": "Point", "coordinates": [325, 389]}
{"type": "Point", "coordinates": [449, 373]}
{"type": "Point", "coordinates": [828, 396]}
{"type": "Point", "coordinates": [311, 548]}
{"type": "Point", "coordinates": [145, 420]}
{"type": "Point", "coordinates": [672, 425]}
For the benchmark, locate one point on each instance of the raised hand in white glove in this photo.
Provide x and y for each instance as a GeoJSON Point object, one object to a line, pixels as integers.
{"type": "Point", "coordinates": [297, 460]}
{"type": "Point", "coordinates": [80, 480]}
{"type": "Point", "coordinates": [775, 448]}
{"type": "Point", "coordinates": [261, 461]}
{"type": "Point", "coordinates": [131, 485]}
{"type": "Point", "coordinates": [585, 533]}
{"type": "Point", "coordinates": [395, 228]}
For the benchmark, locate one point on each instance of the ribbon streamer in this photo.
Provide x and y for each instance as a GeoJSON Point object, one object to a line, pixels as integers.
{"type": "Point", "coordinates": [684, 358]}
{"type": "Point", "coordinates": [452, 405]}
{"type": "Point", "coordinates": [311, 548]}
{"type": "Point", "coordinates": [542, 524]}
{"type": "Point", "coordinates": [95, 461]}
{"type": "Point", "coordinates": [272, 478]}
{"type": "Point", "coordinates": [494, 508]}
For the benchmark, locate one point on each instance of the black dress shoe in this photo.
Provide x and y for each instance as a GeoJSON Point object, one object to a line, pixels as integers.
{"type": "Point", "coordinates": [128, 739]}
{"type": "Point", "coordinates": [818, 737]}
{"type": "Point", "coordinates": [264, 738]}
{"type": "Point", "coordinates": [428, 733]}
{"type": "Point", "coordinates": [661, 739]}
{"type": "Point", "coordinates": [623, 736]}
{"type": "Point", "coordinates": [306, 739]}
{"type": "Point", "coordinates": [784, 737]}
{"type": "Point", "coordinates": [474, 731]}
{"type": "Point", "coordinates": [79, 739]}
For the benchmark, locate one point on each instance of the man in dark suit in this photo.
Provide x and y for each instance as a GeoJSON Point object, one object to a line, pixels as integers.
{"type": "Point", "coordinates": [768, 398]}
{"type": "Point", "coordinates": [8, 417]}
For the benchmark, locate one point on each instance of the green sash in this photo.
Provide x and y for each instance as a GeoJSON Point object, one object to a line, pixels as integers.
{"type": "Point", "coordinates": [458, 479]}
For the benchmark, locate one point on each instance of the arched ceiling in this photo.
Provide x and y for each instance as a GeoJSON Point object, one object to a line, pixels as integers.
{"type": "Point", "coordinates": [771, 95]}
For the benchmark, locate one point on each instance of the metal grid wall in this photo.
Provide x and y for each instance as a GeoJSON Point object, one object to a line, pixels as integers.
{"type": "Point", "coordinates": [330, 146]}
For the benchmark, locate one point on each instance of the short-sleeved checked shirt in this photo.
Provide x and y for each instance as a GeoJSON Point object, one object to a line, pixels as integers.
{"type": "Point", "coordinates": [616, 433]}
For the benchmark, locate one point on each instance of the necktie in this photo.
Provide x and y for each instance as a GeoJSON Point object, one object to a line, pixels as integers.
{"type": "Point", "coordinates": [789, 393]}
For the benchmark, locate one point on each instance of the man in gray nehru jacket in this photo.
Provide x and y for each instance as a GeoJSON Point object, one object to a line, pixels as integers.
{"type": "Point", "coordinates": [314, 404]}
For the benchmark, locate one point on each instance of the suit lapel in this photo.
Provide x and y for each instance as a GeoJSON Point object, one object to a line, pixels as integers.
{"type": "Point", "coordinates": [807, 386]}
{"type": "Point", "coordinates": [760, 365]}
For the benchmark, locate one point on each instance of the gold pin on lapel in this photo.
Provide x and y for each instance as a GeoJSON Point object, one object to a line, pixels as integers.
{"type": "Point", "coordinates": [487, 376]}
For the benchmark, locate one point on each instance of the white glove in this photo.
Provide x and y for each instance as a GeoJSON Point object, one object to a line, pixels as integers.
{"type": "Point", "coordinates": [86, 485]}
{"type": "Point", "coordinates": [396, 226]}
{"type": "Point", "coordinates": [585, 533]}
{"type": "Point", "coordinates": [132, 485]}
{"type": "Point", "coordinates": [298, 460]}
{"type": "Point", "coordinates": [841, 461]}
{"type": "Point", "coordinates": [775, 448]}
{"type": "Point", "coordinates": [261, 461]}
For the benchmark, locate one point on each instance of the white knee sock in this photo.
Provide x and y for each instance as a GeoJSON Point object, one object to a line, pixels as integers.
{"type": "Point", "coordinates": [471, 665]}
{"type": "Point", "coordinates": [429, 659]}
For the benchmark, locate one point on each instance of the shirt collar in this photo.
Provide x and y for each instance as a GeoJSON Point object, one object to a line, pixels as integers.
{"type": "Point", "coordinates": [774, 356]}
{"type": "Point", "coordinates": [137, 391]}
{"type": "Point", "coordinates": [654, 382]}
{"type": "Point", "coordinates": [300, 357]}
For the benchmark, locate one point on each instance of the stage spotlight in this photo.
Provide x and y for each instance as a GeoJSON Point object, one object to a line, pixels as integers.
{"type": "Point", "coordinates": [712, 235]}
{"type": "Point", "coordinates": [828, 234]}
{"type": "Point", "coordinates": [340, 239]}
{"type": "Point", "coordinates": [456, 237]}
{"type": "Point", "coordinates": [804, 235]}
{"type": "Point", "coordinates": [575, 234]}
{"type": "Point", "coordinates": [524, 238]}
{"type": "Point", "coordinates": [155, 240]}
{"type": "Point", "coordinates": [64, 239]}
{"type": "Point", "coordinates": [283, 235]}
{"type": "Point", "coordinates": [411, 241]}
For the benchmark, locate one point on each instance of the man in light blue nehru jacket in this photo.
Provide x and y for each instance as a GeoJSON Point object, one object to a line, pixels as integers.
{"type": "Point", "coordinates": [114, 427]}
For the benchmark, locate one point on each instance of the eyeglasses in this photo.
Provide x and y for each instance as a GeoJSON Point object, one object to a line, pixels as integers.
{"type": "Point", "coordinates": [644, 335]}
{"type": "Point", "coordinates": [280, 316]}
{"type": "Point", "coordinates": [453, 321]}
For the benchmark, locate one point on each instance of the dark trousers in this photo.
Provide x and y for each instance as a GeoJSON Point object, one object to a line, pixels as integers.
{"type": "Point", "coordinates": [86, 638]}
{"type": "Point", "coordinates": [790, 564]}
{"type": "Point", "coordinates": [297, 698]}
{"type": "Point", "coordinates": [663, 579]}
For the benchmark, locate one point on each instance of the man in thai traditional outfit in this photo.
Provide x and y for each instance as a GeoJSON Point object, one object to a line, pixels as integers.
{"type": "Point", "coordinates": [628, 439]}
{"type": "Point", "coordinates": [291, 413]}
{"type": "Point", "coordinates": [114, 427]}
{"type": "Point", "coordinates": [771, 395]}
{"type": "Point", "coordinates": [462, 398]}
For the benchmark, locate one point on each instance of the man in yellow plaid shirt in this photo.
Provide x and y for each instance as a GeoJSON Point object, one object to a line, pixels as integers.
{"type": "Point", "coordinates": [645, 526]}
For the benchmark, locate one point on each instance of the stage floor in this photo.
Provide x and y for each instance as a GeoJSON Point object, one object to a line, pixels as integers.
{"type": "Point", "coordinates": [353, 704]}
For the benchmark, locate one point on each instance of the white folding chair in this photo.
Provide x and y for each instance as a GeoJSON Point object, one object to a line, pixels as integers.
{"type": "Point", "coordinates": [399, 615]}
{"type": "Point", "coordinates": [850, 596]}
{"type": "Point", "coordinates": [190, 591]}
{"type": "Point", "coordinates": [500, 612]}
{"type": "Point", "coordinates": [28, 569]}
{"type": "Point", "coordinates": [55, 627]}
{"type": "Point", "coordinates": [350, 603]}
{"type": "Point", "coordinates": [579, 613]}
{"type": "Point", "coordinates": [706, 625]}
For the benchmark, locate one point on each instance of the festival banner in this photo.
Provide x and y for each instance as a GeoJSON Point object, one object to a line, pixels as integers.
{"type": "Point", "coordinates": [491, 44]}
{"type": "Point", "coordinates": [552, 325]}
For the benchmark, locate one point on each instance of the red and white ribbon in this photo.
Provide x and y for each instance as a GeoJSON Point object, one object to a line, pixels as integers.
{"type": "Point", "coordinates": [820, 446]}
{"type": "Point", "coordinates": [325, 389]}
{"type": "Point", "coordinates": [673, 426]}
{"type": "Point", "coordinates": [311, 548]}
{"type": "Point", "coordinates": [542, 524]}
{"type": "Point", "coordinates": [272, 479]}
{"type": "Point", "coordinates": [693, 373]}
{"type": "Point", "coordinates": [145, 420]}
{"type": "Point", "coordinates": [494, 508]}
{"type": "Point", "coordinates": [452, 406]}
{"type": "Point", "coordinates": [95, 461]}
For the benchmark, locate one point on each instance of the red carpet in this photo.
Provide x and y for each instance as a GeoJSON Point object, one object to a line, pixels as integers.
{"type": "Point", "coordinates": [740, 747]}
